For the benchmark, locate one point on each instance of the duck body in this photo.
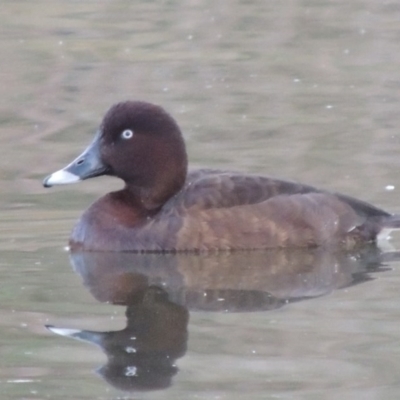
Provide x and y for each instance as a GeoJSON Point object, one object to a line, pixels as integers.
{"type": "Point", "coordinates": [164, 208]}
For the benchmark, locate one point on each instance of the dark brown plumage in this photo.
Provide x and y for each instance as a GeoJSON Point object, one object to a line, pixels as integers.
{"type": "Point", "coordinates": [165, 209]}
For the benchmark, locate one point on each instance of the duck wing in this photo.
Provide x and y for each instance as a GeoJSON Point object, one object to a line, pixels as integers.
{"type": "Point", "coordinates": [207, 188]}
{"type": "Point", "coordinates": [225, 210]}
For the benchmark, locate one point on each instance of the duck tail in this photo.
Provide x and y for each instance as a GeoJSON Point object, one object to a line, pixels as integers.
{"type": "Point", "coordinates": [383, 229]}
{"type": "Point", "coordinates": [391, 222]}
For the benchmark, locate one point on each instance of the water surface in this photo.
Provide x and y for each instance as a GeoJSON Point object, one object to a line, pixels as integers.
{"type": "Point", "coordinates": [302, 90]}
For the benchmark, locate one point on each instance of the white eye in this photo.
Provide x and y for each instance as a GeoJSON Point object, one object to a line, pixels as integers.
{"type": "Point", "coordinates": [127, 134]}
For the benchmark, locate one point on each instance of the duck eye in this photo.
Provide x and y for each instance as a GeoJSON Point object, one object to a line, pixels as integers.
{"type": "Point", "coordinates": [127, 134]}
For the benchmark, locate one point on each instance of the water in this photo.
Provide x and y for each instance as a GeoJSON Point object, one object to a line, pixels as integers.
{"type": "Point", "coordinates": [302, 90]}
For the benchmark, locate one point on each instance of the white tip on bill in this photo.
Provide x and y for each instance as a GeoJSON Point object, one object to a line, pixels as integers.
{"type": "Point", "coordinates": [60, 177]}
{"type": "Point", "coordinates": [63, 331]}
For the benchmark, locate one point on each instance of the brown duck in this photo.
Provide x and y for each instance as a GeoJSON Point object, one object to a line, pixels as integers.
{"type": "Point", "coordinates": [165, 208]}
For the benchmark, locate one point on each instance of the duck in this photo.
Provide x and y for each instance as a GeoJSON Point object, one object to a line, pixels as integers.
{"type": "Point", "coordinates": [166, 207]}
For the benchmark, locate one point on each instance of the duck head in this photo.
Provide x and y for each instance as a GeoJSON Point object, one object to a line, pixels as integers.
{"type": "Point", "coordinates": [139, 143]}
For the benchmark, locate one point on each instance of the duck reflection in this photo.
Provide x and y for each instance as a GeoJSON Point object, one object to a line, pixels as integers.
{"type": "Point", "coordinates": [142, 355]}
{"type": "Point", "coordinates": [159, 289]}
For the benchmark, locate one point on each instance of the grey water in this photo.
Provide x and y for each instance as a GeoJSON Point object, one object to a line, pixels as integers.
{"type": "Point", "coordinates": [302, 90]}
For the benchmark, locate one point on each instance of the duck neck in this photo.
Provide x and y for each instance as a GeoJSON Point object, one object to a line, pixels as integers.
{"type": "Point", "coordinates": [154, 195]}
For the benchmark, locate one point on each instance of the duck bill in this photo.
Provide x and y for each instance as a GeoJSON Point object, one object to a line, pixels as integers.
{"type": "Point", "coordinates": [87, 165]}
{"type": "Point", "coordinates": [85, 336]}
